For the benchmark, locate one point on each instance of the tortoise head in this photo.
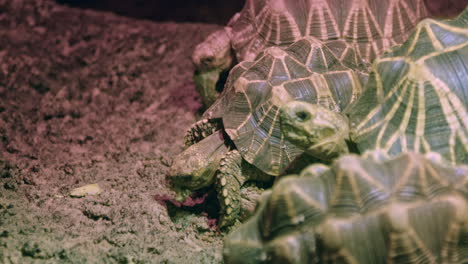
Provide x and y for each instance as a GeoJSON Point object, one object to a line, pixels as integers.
{"type": "Point", "coordinates": [195, 167]}
{"type": "Point", "coordinates": [212, 59]}
{"type": "Point", "coordinates": [317, 130]}
{"type": "Point", "coordinates": [215, 52]}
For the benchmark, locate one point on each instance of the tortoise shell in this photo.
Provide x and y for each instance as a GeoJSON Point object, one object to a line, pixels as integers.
{"type": "Point", "coordinates": [417, 95]}
{"type": "Point", "coordinates": [372, 26]}
{"type": "Point", "coordinates": [308, 70]}
{"type": "Point", "coordinates": [408, 209]}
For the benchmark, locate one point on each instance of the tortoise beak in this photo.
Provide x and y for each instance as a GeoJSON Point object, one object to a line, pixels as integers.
{"type": "Point", "coordinates": [195, 168]}
{"type": "Point", "coordinates": [191, 172]}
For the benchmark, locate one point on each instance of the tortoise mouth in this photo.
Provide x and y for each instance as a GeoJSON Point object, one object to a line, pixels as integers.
{"type": "Point", "coordinates": [192, 181]}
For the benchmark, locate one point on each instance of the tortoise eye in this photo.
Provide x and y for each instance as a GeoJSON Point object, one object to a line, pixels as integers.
{"type": "Point", "coordinates": [207, 61]}
{"type": "Point", "coordinates": [302, 116]}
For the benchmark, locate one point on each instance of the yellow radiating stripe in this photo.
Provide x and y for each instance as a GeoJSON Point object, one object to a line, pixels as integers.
{"type": "Point", "coordinates": [423, 178]}
{"type": "Point", "coordinates": [323, 28]}
{"type": "Point", "coordinates": [261, 23]}
{"type": "Point", "coordinates": [423, 248]}
{"type": "Point", "coordinates": [278, 29]}
{"type": "Point", "coordinates": [295, 27]}
{"type": "Point", "coordinates": [459, 29]}
{"type": "Point", "coordinates": [404, 143]}
{"type": "Point", "coordinates": [372, 42]}
{"type": "Point", "coordinates": [388, 24]}
{"type": "Point", "coordinates": [374, 21]}
{"type": "Point", "coordinates": [412, 16]}
{"type": "Point", "coordinates": [434, 174]}
{"type": "Point", "coordinates": [356, 88]}
{"type": "Point", "coordinates": [445, 50]}
{"type": "Point", "coordinates": [390, 115]}
{"type": "Point", "coordinates": [324, 58]}
{"type": "Point", "coordinates": [355, 187]}
{"type": "Point", "coordinates": [414, 40]}
{"type": "Point", "coordinates": [309, 19]}
{"type": "Point", "coordinates": [249, 116]}
{"type": "Point", "coordinates": [270, 131]}
{"type": "Point", "coordinates": [322, 89]}
{"type": "Point", "coordinates": [335, 24]}
{"type": "Point", "coordinates": [406, 174]}
{"type": "Point", "coordinates": [369, 178]}
{"type": "Point", "coordinates": [283, 63]}
{"type": "Point", "coordinates": [306, 198]}
{"type": "Point", "coordinates": [421, 117]}
{"type": "Point", "coordinates": [403, 124]}
{"type": "Point", "coordinates": [425, 145]}
{"type": "Point", "coordinates": [447, 98]}
{"type": "Point", "coordinates": [309, 56]}
{"type": "Point", "coordinates": [380, 93]}
{"type": "Point", "coordinates": [434, 41]}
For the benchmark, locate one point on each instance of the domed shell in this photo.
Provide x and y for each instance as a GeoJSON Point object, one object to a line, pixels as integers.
{"type": "Point", "coordinates": [372, 26]}
{"type": "Point", "coordinates": [417, 95]}
{"type": "Point", "coordinates": [308, 70]}
{"type": "Point", "coordinates": [408, 209]}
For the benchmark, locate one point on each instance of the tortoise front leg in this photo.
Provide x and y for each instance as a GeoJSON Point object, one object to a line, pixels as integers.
{"type": "Point", "coordinates": [229, 181]}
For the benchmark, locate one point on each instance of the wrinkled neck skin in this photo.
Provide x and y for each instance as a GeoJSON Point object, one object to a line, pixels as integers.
{"type": "Point", "coordinates": [196, 166]}
{"type": "Point", "coordinates": [315, 129]}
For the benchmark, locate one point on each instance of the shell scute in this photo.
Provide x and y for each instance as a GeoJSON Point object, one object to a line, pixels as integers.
{"type": "Point", "coordinates": [279, 74]}
{"type": "Point", "coordinates": [251, 103]}
{"type": "Point", "coordinates": [409, 208]}
{"type": "Point", "coordinates": [372, 26]}
{"type": "Point", "coordinates": [416, 96]}
{"type": "Point", "coordinates": [302, 90]}
{"type": "Point", "coordinates": [295, 69]}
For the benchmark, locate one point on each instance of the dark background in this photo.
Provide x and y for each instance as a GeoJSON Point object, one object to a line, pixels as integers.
{"type": "Point", "coordinates": [210, 11]}
{"type": "Point", "coordinates": [203, 11]}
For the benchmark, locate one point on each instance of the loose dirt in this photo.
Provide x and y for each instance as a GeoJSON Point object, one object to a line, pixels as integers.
{"type": "Point", "coordinates": [90, 97]}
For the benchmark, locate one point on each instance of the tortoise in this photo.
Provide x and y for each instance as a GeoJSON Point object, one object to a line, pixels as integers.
{"type": "Point", "coordinates": [239, 137]}
{"type": "Point", "coordinates": [370, 26]}
{"type": "Point", "coordinates": [369, 209]}
{"type": "Point", "coordinates": [329, 73]}
{"type": "Point", "coordinates": [416, 99]}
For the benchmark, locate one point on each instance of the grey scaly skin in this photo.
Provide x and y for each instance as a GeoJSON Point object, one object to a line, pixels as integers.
{"type": "Point", "coordinates": [212, 161]}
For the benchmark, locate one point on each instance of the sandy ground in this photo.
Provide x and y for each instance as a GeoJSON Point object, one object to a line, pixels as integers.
{"type": "Point", "coordinates": [89, 97]}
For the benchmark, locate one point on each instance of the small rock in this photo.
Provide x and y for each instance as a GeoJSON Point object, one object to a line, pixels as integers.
{"type": "Point", "coordinates": [90, 189]}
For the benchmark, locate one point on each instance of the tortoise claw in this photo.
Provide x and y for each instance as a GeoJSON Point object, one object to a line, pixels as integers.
{"type": "Point", "coordinates": [228, 183]}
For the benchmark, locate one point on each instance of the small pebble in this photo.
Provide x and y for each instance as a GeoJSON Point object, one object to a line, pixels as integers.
{"type": "Point", "coordinates": [90, 189]}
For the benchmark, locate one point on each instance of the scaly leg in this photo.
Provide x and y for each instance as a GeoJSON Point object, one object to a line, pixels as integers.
{"type": "Point", "coordinates": [229, 180]}
{"type": "Point", "coordinates": [200, 130]}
